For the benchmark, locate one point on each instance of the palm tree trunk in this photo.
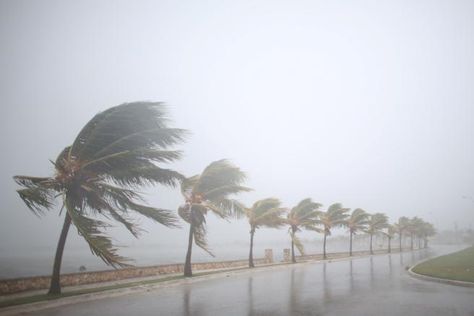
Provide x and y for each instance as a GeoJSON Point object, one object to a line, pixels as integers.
{"type": "Point", "coordinates": [187, 265]}
{"type": "Point", "coordinates": [371, 251]}
{"type": "Point", "coordinates": [389, 245]}
{"type": "Point", "coordinates": [55, 286]}
{"type": "Point", "coordinates": [252, 232]}
{"type": "Point", "coordinates": [400, 241]}
{"type": "Point", "coordinates": [350, 244]}
{"type": "Point", "coordinates": [324, 246]}
{"type": "Point", "coordinates": [293, 231]}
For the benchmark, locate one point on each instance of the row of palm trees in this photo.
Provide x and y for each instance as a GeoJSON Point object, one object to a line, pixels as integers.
{"type": "Point", "coordinates": [308, 215]}
{"type": "Point", "coordinates": [122, 149]}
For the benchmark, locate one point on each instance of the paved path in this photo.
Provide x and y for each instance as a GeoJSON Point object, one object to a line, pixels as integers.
{"type": "Point", "coordinates": [377, 285]}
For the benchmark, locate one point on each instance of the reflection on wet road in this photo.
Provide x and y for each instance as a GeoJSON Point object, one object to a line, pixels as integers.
{"type": "Point", "coordinates": [377, 285]}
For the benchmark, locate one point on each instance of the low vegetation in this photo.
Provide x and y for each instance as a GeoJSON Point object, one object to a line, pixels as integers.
{"type": "Point", "coordinates": [456, 266]}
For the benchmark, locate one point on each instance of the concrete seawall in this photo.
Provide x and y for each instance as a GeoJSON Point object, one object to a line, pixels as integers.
{"type": "Point", "coordinates": [17, 285]}
{"type": "Point", "coordinates": [11, 286]}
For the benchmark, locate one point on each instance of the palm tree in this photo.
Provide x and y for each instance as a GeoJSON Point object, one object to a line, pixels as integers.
{"type": "Point", "coordinates": [301, 216]}
{"type": "Point", "coordinates": [402, 226]}
{"type": "Point", "coordinates": [413, 228]}
{"type": "Point", "coordinates": [356, 222]}
{"type": "Point", "coordinates": [377, 222]}
{"type": "Point", "coordinates": [113, 155]}
{"type": "Point", "coordinates": [427, 230]}
{"type": "Point", "coordinates": [335, 216]}
{"type": "Point", "coordinates": [206, 192]}
{"type": "Point", "coordinates": [390, 233]}
{"type": "Point", "coordinates": [267, 213]}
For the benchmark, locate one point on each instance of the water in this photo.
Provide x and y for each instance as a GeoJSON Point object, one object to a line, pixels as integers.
{"type": "Point", "coordinates": [39, 261]}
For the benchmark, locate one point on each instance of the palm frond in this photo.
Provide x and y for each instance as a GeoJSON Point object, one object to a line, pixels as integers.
{"type": "Point", "coordinates": [144, 174]}
{"type": "Point", "coordinates": [377, 222]}
{"type": "Point", "coordinates": [126, 127]}
{"type": "Point", "coordinates": [298, 244]}
{"type": "Point", "coordinates": [227, 207]}
{"type": "Point", "coordinates": [218, 193]}
{"type": "Point", "coordinates": [114, 206]}
{"type": "Point", "coordinates": [237, 209]}
{"type": "Point", "coordinates": [314, 228]}
{"type": "Point", "coordinates": [37, 199]}
{"type": "Point", "coordinates": [162, 216]}
{"type": "Point", "coordinates": [134, 229]}
{"type": "Point", "coordinates": [218, 174]}
{"type": "Point", "coordinates": [118, 201]}
{"type": "Point", "coordinates": [184, 211]}
{"type": "Point", "coordinates": [305, 210]}
{"type": "Point", "coordinates": [262, 206]}
{"type": "Point", "coordinates": [271, 218]}
{"type": "Point", "coordinates": [216, 209]}
{"type": "Point", "coordinates": [100, 244]}
{"type": "Point", "coordinates": [38, 194]}
{"type": "Point", "coordinates": [199, 233]}
{"type": "Point", "coordinates": [187, 185]}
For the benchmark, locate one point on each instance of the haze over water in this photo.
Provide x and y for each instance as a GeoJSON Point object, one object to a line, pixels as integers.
{"type": "Point", "coordinates": [369, 104]}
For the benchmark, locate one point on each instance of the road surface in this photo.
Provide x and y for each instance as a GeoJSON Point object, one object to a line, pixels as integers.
{"type": "Point", "coordinates": [377, 285]}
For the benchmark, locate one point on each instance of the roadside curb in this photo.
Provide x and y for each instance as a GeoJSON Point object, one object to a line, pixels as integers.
{"type": "Point", "coordinates": [435, 279]}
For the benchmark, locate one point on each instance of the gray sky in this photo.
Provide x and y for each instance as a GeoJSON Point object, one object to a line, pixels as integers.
{"type": "Point", "coordinates": [367, 103]}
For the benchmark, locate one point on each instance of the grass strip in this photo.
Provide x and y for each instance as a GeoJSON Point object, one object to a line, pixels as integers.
{"type": "Point", "coordinates": [457, 266]}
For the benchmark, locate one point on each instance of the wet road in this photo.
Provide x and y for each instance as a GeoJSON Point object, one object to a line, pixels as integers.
{"type": "Point", "coordinates": [377, 285]}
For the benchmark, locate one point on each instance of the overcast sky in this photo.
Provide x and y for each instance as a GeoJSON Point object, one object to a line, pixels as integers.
{"type": "Point", "coordinates": [367, 103]}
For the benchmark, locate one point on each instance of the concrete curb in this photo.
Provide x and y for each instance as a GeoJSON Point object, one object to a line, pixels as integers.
{"type": "Point", "coordinates": [435, 279]}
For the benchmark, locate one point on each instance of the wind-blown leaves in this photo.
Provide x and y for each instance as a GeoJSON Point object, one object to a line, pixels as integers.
{"type": "Point", "coordinates": [220, 176]}
{"type": "Point", "coordinates": [357, 221]}
{"type": "Point", "coordinates": [39, 193]}
{"type": "Point", "coordinates": [210, 192]}
{"type": "Point", "coordinates": [335, 216]}
{"type": "Point", "coordinates": [129, 127]}
{"type": "Point", "coordinates": [303, 215]}
{"type": "Point", "coordinates": [100, 244]}
{"type": "Point", "coordinates": [115, 153]}
{"type": "Point", "coordinates": [298, 244]}
{"type": "Point", "coordinates": [267, 213]}
{"type": "Point", "coordinates": [377, 222]}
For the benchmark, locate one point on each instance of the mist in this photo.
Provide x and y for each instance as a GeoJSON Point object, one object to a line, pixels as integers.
{"type": "Point", "coordinates": [369, 104]}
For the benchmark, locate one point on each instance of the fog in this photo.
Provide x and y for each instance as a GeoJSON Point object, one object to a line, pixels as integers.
{"type": "Point", "coordinates": [366, 103]}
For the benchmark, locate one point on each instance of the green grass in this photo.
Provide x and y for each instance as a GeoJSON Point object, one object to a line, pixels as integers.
{"type": "Point", "coordinates": [456, 266]}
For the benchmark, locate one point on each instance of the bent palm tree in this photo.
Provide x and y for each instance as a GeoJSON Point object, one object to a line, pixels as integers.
{"type": "Point", "coordinates": [301, 216]}
{"type": "Point", "coordinates": [414, 226]}
{"type": "Point", "coordinates": [401, 227]}
{"type": "Point", "coordinates": [206, 192]}
{"type": "Point", "coordinates": [377, 222]}
{"type": "Point", "coordinates": [426, 230]}
{"type": "Point", "coordinates": [356, 222]}
{"type": "Point", "coordinates": [390, 233]}
{"type": "Point", "coordinates": [113, 155]}
{"type": "Point", "coordinates": [335, 216]}
{"type": "Point", "coordinates": [267, 213]}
